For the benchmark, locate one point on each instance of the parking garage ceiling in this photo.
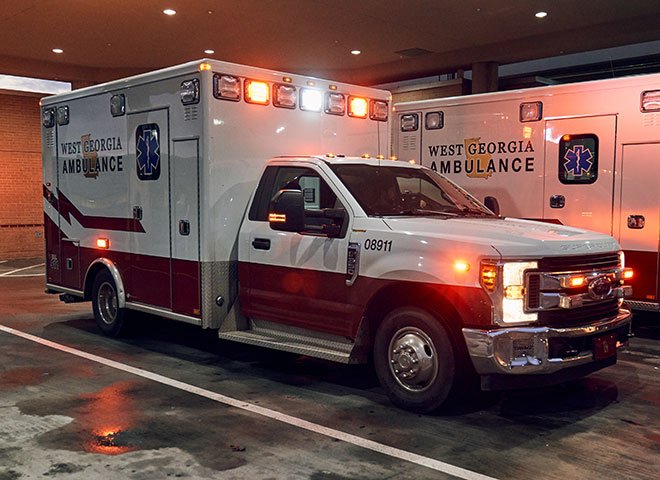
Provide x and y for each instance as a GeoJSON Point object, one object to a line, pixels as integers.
{"type": "Point", "coordinates": [397, 40]}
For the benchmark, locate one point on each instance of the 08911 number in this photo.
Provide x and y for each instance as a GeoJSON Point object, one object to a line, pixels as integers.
{"type": "Point", "coordinates": [378, 245]}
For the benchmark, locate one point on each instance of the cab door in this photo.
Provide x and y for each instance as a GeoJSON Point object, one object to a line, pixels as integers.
{"type": "Point", "coordinates": [298, 279]}
{"type": "Point", "coordinates": [639, 227]}
{"type": "Point", "coordinates": [579, 172]}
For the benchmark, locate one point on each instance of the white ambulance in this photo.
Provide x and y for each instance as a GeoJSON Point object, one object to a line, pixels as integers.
{"type": "Point", "coordinates": [159, 198]}
{"type": "Point", "coordinates": [585, 155]}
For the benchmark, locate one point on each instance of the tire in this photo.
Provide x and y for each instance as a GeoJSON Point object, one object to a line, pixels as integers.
{"type": "Point", "coordinates": [415, 360]}
{"type": "Point", "coordinates": [110, 319]}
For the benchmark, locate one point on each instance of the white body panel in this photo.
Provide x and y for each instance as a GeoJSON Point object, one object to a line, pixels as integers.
{"type": "Point", "coordinates": [519, 162]}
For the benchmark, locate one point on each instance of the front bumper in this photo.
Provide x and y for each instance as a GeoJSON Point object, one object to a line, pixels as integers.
{"type": "Point", "coordinates": [541, 350]}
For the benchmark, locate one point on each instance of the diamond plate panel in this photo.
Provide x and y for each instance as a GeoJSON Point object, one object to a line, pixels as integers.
{"type": "Point", "coordinates": [218, 279]}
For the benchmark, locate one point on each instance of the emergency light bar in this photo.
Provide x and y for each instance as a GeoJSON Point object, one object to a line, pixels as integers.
{"type": "Point", "coordinates": [650, 101]}
{"type": "Point", "coordinates": [284, 95]}
{"type": "Point", "coordinates": [357, 107]}
{"type": "Point", "coordinates": [335, 103]}
{"type": "Point", "coordinates": [531, 111]}
{"type": "Point", "coordinates": [189, 91]}
{"type": "Point", "coordinates": [378, 110]}
{"type": "Point", "coordinates": [226, 87]}
{"type": "Point", "coordinates": [257, 92]}
{"type": "Point", "coordinates": [311, 100]}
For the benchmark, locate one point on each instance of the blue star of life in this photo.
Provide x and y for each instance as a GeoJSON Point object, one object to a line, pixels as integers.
{"type": "Point", "coordinates": [148, 152]}
{"type": "Point", "coordinates": [578, 160]}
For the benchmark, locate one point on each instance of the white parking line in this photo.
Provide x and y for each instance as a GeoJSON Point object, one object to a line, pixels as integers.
{"type": "Point", "coordinates": [20, 270]}
{"type": "Point", "coordinates": [275, 415]}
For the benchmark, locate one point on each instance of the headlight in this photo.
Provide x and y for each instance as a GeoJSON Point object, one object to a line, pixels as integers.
{"type": "Point", "coordinates": [505, 284]}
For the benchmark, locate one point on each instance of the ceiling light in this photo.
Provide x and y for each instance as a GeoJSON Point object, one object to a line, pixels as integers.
{"type": "Point", "coordinates": [58, 50]}
{"type": "Point", "coordinates": [209, 51]}
{"type": "Point", "coordinates": [541, 14]}
{"type": "Point", "coordinates": [355, 52]}
{"type": "Point", "coordinates": [169, 11]}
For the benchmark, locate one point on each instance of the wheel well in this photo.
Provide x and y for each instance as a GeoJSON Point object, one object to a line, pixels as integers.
{"type": "Point", "coordinates": [89, 278]}
{"type": "Point", "coordinates": [401, 295]}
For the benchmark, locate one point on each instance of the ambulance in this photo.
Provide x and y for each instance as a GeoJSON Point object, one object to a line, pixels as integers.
{"type": "Point", "coordinates": [194, 193]}
{"type": "Point", "coordinates": [584, 154]}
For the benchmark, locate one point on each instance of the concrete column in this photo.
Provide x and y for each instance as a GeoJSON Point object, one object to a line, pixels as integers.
{"type": "Point", "coordinates": [484, 77]}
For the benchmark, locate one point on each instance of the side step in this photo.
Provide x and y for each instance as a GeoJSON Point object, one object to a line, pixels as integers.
{"type": "Point", "coordinates": [294, 340]}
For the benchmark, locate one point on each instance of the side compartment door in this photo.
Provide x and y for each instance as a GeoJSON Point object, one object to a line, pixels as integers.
{"type": "Point", "coordinates": [185, 226]}
{"type": "Point", "coordinates": [579, 166]}
{"type": "Point", "coordinates": [148, 155]}
{"type": "Point", "coordinates": [639, 230]}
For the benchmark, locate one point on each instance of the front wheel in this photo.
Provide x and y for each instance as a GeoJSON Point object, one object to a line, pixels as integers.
{"type": "Point", "coordinates": [105, 303]}
{"type": "Point", "coordinates": [415, 359]}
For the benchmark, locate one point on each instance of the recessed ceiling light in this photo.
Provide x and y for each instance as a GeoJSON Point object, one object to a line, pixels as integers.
{"type": "Point", "coordinates": [356, 52]}
{"type": "Point", "coordinates": [58, 50]}
{"type": "Point", "coordinates": [541, 14]}
{"type": "Point", "coordinates": [209, 51]}
{"type": "Point", "coordinates": [169, 11]}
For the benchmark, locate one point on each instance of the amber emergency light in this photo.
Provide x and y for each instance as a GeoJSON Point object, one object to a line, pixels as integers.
{"type": "Point", "coordinates": [103, 243]}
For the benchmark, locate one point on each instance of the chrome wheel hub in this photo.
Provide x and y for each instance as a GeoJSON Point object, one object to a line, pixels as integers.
{"type": "Point", "coordinates": [413, 359]}
{"type": "Point", "coordinates": [107, 301]}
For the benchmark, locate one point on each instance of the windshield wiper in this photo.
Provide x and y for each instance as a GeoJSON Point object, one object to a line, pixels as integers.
{"type": "Point", "coordinates": [474, 211]}
{"type": "Point", "coordinates": [421, 211]}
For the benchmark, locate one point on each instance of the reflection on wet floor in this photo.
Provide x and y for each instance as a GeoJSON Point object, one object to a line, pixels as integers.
{"type": "Point", "coordinates": [106, 418]}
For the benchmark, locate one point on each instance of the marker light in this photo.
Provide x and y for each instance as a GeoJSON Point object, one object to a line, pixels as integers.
{"type": "Point", "coordinates": [204, 66]}
{"type": "Point", "coordinates": [461, 266]}
{"type": "Point", "coordinates": [366, 155]}
{"type": "Point", "coordinates": [277, 217]}
{"type": "Point", "coordinates": [489, 276]}
{"type": "Point", "coordinates": [566, 138]}
{"type": "Point", "coordinates": [330, 155]}
{"type": "Point", "coordinates": [227, 87]}
{"type": "Point", "coordinates": [412, 161]}
{"type": "Point", "coordinates": [310, 83]}
{"type": "Point", "coordinates": [284, 95]}
{"type": "Point", "coordinates": [393, 158]}
{"type": "Point", "coordinates": [103, 243]}
{"type": "Point", "coordinates": [514, 292]}
{"type": "Point", "coordinates": [380, 157]}
{"type": "Point", "coordinates": [333, 87]}
{"type": "Point", "coordinates": [256, 92]}
{"type": "Point", "coordinates": [357, 107]}
{"type": "Point", "coordinates": [311, 100]}
{"type": "Point", "coordinates": [335, 103]}
{"type": "Point", "coordinates": [576, 281]}
{"type": "Point", "coordinates": [627, 273]}
{"type": "Point", "coordinates": [286, 79]}
{"type": "Point", "coordinates": [378, 110]}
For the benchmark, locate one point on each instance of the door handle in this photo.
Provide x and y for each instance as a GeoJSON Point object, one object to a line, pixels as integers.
{"type": "Point", "coordinates": [557, 201]}
{"type": "Point", "coordinates": [184, 227]}
{"type": "Point", "coordinates": [261, 243]}
{"type": "Point", "coordinates": [636, 221]}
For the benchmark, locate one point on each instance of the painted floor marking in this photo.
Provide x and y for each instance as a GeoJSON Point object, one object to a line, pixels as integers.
{"type": "Point", "coordinates": [266, 412]}
{"type": "Point", "coordinates": [21, 269]}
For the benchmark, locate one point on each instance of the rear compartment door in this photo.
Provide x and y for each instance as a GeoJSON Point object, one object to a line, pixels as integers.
{"type": "Point", "coordinates": [579, 172]}
{"type": "Point", "coordinates": [639, 229]}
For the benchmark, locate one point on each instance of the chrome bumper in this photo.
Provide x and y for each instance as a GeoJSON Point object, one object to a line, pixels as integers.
{"type": "Point", "coordinates": [525, 350]}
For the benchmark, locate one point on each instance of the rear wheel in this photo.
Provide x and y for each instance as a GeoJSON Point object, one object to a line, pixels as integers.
{"type": "Point", "coordinates": [415, 359]}
{"type": "Point", "coordinates": [105, 302]}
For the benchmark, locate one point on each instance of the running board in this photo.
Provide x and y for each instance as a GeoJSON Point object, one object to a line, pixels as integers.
{"type": "Point", "coordinates": [294, 340]}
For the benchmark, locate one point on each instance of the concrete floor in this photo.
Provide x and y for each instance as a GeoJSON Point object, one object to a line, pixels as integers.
{"type": "Point", "coordinates": [70, 417]}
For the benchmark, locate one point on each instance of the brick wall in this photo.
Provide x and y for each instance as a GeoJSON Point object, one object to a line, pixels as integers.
{"type": "Point", "coordinates": [21, 197]}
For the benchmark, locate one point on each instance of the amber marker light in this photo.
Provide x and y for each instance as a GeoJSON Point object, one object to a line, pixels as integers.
{"type": "Point", "coordinates": [330, 155]}
{"type": "Point", "coordinates": [277, 217]}
{"type": "Point", "coordinates": [393, 158]}
{"type": "Point", "coordinates": [103, 243]}
{"type": "Point", "coordinates": [566, 138]}
{"type": "Point", "coordinates": [489, 276]}
{"type": "Point", "coordinates": [461, 266]}
{"type": "Point", "coordinates": [204, 66]}
{"type": "Point", "coordinates": [627, 273]}
{"type": "Point", "coordinates": [287, 79]}
{"type": "Point", "coordinates": [333, 87]}
{"type": "Point", "coordinates": [412, 161]}
{"type": "Point", "coordinates": [366, 155]}
{"type": "Point", "coordinates": [577, 281]}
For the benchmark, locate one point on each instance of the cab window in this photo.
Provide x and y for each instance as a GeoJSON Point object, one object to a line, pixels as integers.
{"type": "Point", "coordinates": [578, 159]}
{"type": "Point", "coordinates": [316, 192]}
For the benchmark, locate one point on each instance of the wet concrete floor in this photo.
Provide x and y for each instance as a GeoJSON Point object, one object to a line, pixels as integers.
{"type": "Point", "coordinates": [63, 416]}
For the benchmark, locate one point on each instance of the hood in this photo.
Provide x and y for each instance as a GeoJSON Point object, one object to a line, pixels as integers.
{"type": "Point", "coordinates": [510, 237]}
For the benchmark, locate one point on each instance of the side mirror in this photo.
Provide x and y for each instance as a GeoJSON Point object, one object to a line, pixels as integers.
{"type": "Point", "coordinates": [493, 205]}
{"type": "Point", "coordinates": [287, 211]}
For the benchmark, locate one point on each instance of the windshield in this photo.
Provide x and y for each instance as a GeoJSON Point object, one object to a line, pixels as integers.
{"type": "Point", "coordinates": [401, 191]}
